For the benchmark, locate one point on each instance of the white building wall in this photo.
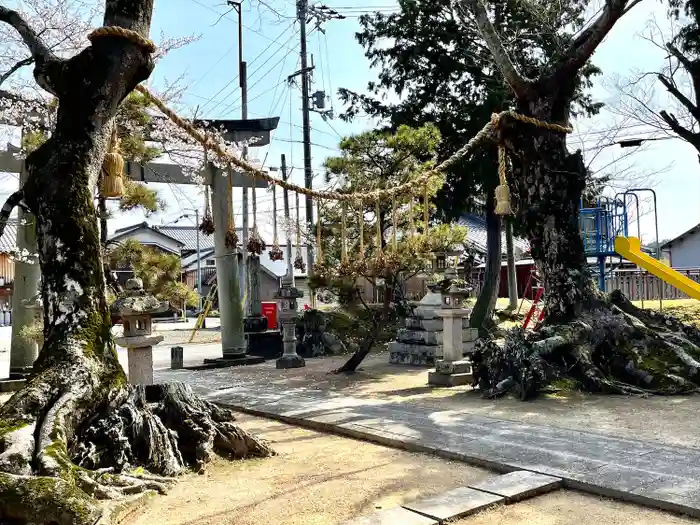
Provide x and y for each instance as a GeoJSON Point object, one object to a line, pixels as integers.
{"type": "Point", "coordinates": [685, 253]}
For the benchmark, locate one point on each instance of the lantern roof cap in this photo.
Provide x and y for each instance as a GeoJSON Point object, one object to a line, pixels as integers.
{"type": "Point", "coordinates": [136, 301]}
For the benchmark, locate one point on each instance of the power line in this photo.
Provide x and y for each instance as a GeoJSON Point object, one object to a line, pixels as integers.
{"type": "Point", "coordinates": [225, 15]}
{"type": "Point", "coordinates": [211, 99]}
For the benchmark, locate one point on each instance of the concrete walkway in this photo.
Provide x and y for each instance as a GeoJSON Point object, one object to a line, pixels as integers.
{"type": "Point", "coordinates": [641, 472]}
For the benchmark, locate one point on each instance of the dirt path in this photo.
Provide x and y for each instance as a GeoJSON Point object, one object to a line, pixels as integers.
{"type": "Point", "coordinates": [321, 479]}
{"type": "Point", "coordinates": [572, 508]}
{"type": "Point", "coordinates": [317, 479]}
{"type": "Point", "coordinates": [670, 420]}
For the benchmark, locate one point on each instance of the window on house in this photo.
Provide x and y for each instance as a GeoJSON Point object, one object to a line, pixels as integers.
{"type": "Point", "coordinates": [210, 262]}
{"type": "Point", "coordinates": [441, 263]}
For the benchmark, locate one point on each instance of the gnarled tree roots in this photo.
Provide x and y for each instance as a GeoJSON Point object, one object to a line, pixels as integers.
{"type": "Point", "coordinates": [613, 347]}
{"type": "Point", "coordinates": [139, 441]}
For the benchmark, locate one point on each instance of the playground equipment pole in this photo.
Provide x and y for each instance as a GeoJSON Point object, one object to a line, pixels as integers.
{"type": "Point", "coordinates": [639, 236]}
{"type": "Point", "coordinates": [656, 227]}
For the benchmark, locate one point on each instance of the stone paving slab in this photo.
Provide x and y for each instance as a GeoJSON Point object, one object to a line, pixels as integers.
{"type": "Point", "coordinates": [455, 504]}
{"type": "Point", "coordinates": [395, 516]}
{"type": "Point", "coordinates": [652, 474]}
{"type": "Point", "coordinates": [518, 485]}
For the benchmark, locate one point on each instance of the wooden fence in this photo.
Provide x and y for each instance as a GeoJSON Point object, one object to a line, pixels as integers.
{"type": "Point", "coordinates": [640, 285]}
{"type": "Point", "coordinates": [637, 285]}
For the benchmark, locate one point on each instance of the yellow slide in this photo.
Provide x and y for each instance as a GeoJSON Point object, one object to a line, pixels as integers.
{"type": "Point", "coordinates": [631, 249]}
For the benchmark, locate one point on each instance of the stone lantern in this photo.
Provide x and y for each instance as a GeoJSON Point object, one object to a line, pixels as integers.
{"type": "Point", "coordinates": [453, 369]}
{"type": "Point", "coordinates": [455, 297]}
{"type": "Point", "coordinates": [136, 307]}
{"type": "Point", "coordinates": [286, 297]}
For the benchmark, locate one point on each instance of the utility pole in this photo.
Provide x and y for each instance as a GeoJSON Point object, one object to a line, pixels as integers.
{"type": "Point", "coordinates": [243, 84]}
{"type": "Point", "coordinates": [302, 8]}
{"type": "Point", "coordinates": [287, 223]}
{"type": "Point", "coordinates": [199, 261]}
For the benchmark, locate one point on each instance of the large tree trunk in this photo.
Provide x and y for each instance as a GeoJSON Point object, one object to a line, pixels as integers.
{"type": "Point", "coordinates": [482, 314]}
{"type": "Point", "coordinates": [589, 340]}
{"type": "Point", "coordinates": [78, 413]}
{"type": "Point", "coordinates": [549, 182]}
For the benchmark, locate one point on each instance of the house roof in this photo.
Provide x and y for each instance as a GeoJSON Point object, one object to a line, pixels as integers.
{"type": "Point", "coordinates": [187, 235]}
{"type": "Point", "coordinates": [682, 236]}
{"type": "Point", "coordinates": [274, 268]}
{"type": "Point", "coordinates": [126, 232]}
{"type": "Point", "coordinates": [8, 241]}
{"type": "Point", "coordinates": [476, 235]}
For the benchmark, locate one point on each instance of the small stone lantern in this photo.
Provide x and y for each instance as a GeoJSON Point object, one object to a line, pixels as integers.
{"type": "Point", "coordinates": [135, 307]}
{"type": "Point", "coordinates": [286, 297]}
{"type": "Point", "coordinates": [453, 369]}
{"type": "Point", "coordinates": [454, 298]}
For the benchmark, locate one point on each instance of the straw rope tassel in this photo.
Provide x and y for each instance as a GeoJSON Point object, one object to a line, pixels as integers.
{"type": "Point", "coordinates": [319, 248]}
{"type": "Point", "coordinates": [296, 204]}
{"type": "Point", "coordinates": [393, 224]}
{"type": "Point", "coordinates": [502, 190]}
{"type": "Point", "coordinates": [343, 236]}
{"type": "Point", "coordinates": [112, 184]}
{"type": "Point", "coordinates": [411, 221]}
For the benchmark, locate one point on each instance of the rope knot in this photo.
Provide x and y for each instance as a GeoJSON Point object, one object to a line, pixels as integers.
{"type": "Point", "coordinates": [121, 32]}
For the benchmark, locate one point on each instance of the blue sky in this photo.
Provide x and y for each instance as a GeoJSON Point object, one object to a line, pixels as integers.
{"type": "Point", "coordinates": [271, 48]}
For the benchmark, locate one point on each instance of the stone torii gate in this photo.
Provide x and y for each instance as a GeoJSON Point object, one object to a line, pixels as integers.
{"type": "Point", "coordinates": [27, 276]}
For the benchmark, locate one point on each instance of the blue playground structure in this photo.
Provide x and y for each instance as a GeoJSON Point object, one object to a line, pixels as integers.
{"type": "Point", "coordinates": [605, 220]}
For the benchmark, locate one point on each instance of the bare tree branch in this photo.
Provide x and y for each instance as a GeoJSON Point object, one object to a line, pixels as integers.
{"type": "Point", "coordinates": [692, 67]}
{"type": "Point", "coordinates": [668, 84]}
{"type": "Point", "coordinates": [41, 53]}
{"type": "Point", "coordinates": [18, 65]}
{"type": "Point", "coordinates": [520, 85]}
{"type": "Point", "coordinates": [36, 46]}
{"type": "Point", "coordinates": [585, 45]}
{"type": "Point", "coordinates": [11, 203]}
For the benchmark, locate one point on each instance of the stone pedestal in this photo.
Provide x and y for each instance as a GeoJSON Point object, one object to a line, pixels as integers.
{"type": "Point", "coordinates": [287, 297]}
{"type": "Point", "coordinates": [136, 308]}
{"type": "Point", "coordinates": [176, 358]}
{"type": "Point", "coordinates": [453, 369]}
{"type": "Point", "coordinates": [141, 365]}
{"type": "Point", "coordinates": [417, 343]}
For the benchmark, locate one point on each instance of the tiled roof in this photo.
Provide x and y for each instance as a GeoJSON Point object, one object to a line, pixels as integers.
{"type": "Point", "coordinates": [8, 241]}
{"type": "Point", "coordinates": [187, 235]}
{"type": "Point", "coordinates": [476, 235]}
{"type": "Point", "coordinates": [277, 268]}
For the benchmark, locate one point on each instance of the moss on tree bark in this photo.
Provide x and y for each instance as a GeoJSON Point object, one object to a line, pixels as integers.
{"type": "Point", "coordinates": [78, 432]}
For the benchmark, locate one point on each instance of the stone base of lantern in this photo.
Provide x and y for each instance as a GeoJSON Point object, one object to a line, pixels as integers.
{"type": "Point", "coordinates": [290, 361]}
{"type": "Point", "coordinates": [12, 384]}
{"type": "Point", "coordinates": [225, 362]}
{"type": "Point", "coordinates": [140, 365]}
{"type": "Point", "coordinates": [21, 371]}
{"type": "Point", "coordinates": [451, 373]}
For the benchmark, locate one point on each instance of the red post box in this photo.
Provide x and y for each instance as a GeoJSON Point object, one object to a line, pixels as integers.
{"type": "Point", "coordinates": [269, 310]}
